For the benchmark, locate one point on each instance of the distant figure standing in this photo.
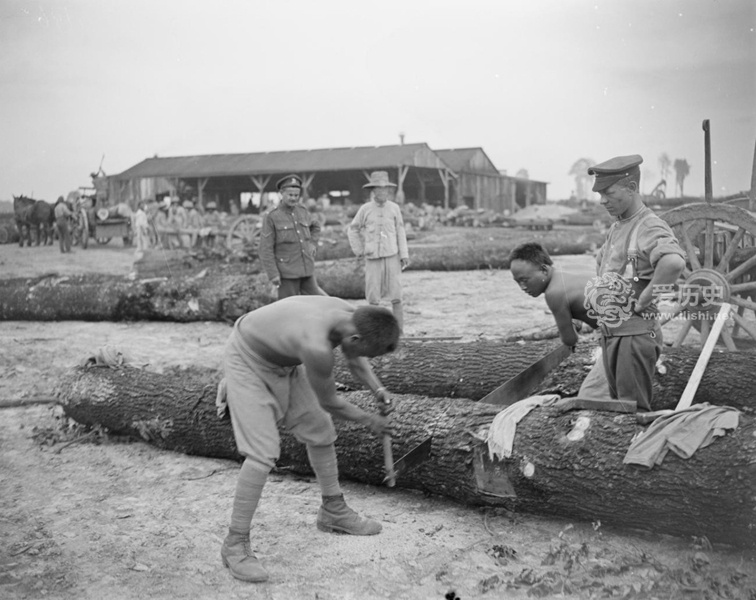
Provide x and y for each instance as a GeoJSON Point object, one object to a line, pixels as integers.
{"type": "Point", "coordinates": [288, 243]}
{"type": "Point", "coordinates": [151, 208]}
{"type": "Point", "coordinates": [377, 233]}
{"type": "Point", "coordinates": [141, 228]}
{"type": "Point", "coordinates": [176, 222]}
{"type": "Point", "coordinates": [162, 226]}
{"type": "Point", "coordinates": [193, 223]}
{"type": "Point", "coordinates": [63, 216]}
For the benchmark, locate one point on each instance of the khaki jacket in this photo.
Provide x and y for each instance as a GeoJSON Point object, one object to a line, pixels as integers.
{"type": "Point", "coordinates": [378, 231]}
{"type": "Point", "coordinates": [288, 243]}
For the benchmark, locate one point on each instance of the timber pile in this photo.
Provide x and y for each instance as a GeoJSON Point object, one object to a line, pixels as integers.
{"type": "Point", "coordinates": [181, 295]}
{"type": "Point", "coordinates": [559, 466]}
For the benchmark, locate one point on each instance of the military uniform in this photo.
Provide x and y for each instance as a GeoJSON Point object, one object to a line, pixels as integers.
{"type": "Point", "coordinates": [630, 342]}
{"type": "Point", "coordinates": [288, 244]}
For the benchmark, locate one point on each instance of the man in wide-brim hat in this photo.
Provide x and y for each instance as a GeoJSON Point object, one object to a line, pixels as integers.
{"type": "Point", "coordinates": [377, 233]}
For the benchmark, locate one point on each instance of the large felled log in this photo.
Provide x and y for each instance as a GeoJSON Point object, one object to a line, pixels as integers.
{"type": "Point", "coordinates": [478, 253]}
{"type": "Point", "coordinates": [473, 369]}
{"type": "Point", "coordinates": [447, 250]}
{"type": "Point", "coordinates": [209, 295]}
{"type": "Point", "coordinates": [566, 465]}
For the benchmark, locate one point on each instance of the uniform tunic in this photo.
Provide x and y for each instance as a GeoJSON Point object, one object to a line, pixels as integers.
{"type": "Point", "coordinates": [631, 343]}
{"type": "Point", "coordinates": [288, 242]}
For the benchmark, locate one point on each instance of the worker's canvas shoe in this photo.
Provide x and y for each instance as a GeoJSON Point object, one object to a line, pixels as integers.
{"type": "Point", "coordinates": [335, 516]}
{"type": "Point", "coordinates": [238, 557]}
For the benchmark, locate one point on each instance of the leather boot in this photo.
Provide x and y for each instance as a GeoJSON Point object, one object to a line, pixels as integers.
{"type": "Point", "coordinates": [238, 557]}
{"type": "Point", "coordinates": [335, 516]}
{"type": "Point", "coordinates": [398, 310]}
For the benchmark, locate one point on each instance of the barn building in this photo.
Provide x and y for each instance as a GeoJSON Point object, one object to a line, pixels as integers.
{"type": "Point", "coordinates": [446, 178]}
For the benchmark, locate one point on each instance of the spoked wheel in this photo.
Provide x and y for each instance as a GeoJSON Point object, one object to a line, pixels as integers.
{"type": "Point", "coordinates": [244, 231]}
{"type": "Point", "coordinates": [719, 240]}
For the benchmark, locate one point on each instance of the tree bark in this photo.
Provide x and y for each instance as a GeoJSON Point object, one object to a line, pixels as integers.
{"type": "Point", "coordinates": [473, 369]}
{"type": "Point", "coordinates": [554, 469]}
{"type": "Point", "coordinates": [213, 294]}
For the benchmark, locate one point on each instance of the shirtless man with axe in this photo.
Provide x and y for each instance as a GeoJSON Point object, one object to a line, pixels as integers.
{"type": "Point", "coordinates": [278, 365]}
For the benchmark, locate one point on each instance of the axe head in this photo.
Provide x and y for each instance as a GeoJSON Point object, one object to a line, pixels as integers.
{"type": "Point", "coordinates": [419, 454]}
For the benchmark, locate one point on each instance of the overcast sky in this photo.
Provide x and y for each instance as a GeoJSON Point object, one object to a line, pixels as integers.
{"type": "Point", "coordinates": [538, 84]}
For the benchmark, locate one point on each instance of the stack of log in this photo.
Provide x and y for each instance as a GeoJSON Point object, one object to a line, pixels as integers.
{"type": "Point", "coordinates": [568, 465]}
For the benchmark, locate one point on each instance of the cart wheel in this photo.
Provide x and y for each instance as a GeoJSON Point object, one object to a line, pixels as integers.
{"type": "Point", "coordinates": [244, 231]}
{"type": "Point", "coordinates": [720, 241]}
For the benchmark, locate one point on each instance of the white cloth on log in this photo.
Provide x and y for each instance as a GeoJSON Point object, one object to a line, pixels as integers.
{"type": "Point", "coordinates": [500, 438]}
{"type": "Point", "coordinates": [683, 432]}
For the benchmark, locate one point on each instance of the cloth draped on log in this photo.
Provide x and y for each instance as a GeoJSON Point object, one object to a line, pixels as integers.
{"type": "Point", "coordinates": [501, 434]}
{"type": "Point", "coordinates": [111, 356]}
{"type": "Point", "coordinates": [683, 432]}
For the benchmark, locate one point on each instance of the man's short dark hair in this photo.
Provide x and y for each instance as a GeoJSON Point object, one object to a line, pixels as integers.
{"type": "Point", "coordinates": [377, 326]}
{"type": "Point", "coordinates": [531, 252]}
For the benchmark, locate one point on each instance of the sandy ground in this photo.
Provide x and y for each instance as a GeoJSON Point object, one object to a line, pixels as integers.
{"type": "Point", "coordinates": [125, 520]}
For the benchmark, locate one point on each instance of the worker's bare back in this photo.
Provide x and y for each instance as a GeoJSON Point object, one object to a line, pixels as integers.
{"type": "Point", "coordinates": [288, 330]}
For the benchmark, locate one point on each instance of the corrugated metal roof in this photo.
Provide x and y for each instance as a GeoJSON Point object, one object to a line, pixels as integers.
{"type": "Point", "coordinates": [294, 161]}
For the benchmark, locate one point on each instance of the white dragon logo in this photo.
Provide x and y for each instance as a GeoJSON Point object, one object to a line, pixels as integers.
{"type": "Point", "coordinates": [609, 299]}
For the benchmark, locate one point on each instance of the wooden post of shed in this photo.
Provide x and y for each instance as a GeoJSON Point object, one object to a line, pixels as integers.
{"type": "Point", "coordinates": [402, 171]}
{"type": "Point", "coordinates": [260, 182]}
{"type": "Point", "coordinates": [445, 176]}
{"type": "Point", "coordinates": [306, 181]}
{"type": "Point", "coordinates": [201, 183]}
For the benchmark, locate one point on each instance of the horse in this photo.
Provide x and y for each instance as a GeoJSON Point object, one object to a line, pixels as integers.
{"type": "Point", "coordinates": [33, 214]}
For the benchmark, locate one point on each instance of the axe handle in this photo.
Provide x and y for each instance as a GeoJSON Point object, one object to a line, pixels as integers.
{"type": "Point", "coordinates": [388, 461]}
{"type": "Point", "coordinates": [695, 377]}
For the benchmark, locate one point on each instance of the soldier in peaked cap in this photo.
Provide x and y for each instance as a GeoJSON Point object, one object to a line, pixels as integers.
{"type": "Point", "coordinates": [377, 233]}
{"type": "Point", "coordinates": [640, 259]}
{"type": "Point", "coordinates": [288, 242]}
{"type": "Point", "coordinates": [289, 181]}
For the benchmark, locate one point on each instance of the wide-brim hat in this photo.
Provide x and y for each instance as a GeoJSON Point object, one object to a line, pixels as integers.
{"type": "Point", "coordinates": [379, 179]}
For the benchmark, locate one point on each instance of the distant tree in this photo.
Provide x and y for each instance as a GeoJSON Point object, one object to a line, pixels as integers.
{"type": "Point", "coordinates": [583, 181]}
{"type": "Point", "coordinates": [664, 165]}
{"type": "Point", "coordinates": [682, 170]}
{"type": "Point", "coordinates": [523, 174]}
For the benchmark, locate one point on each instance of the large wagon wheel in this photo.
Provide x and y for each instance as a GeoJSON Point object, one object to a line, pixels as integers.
{"type": "Point", "coordinates": [244, 231]}
{"type": "Point", "coordinates": [719, 240]}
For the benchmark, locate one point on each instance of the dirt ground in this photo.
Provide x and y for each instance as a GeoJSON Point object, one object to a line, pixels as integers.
{"type": "Point", "coordinates": [123, 520]}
